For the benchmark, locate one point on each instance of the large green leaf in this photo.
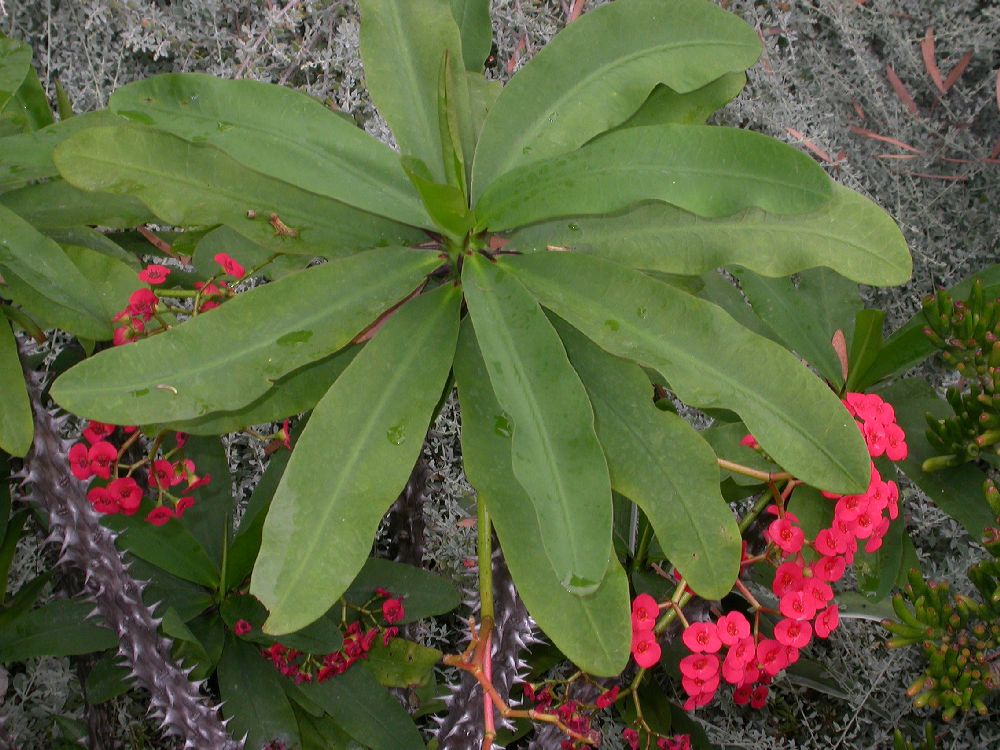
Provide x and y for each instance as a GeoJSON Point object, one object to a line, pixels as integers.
{"type": "Point", "coordinates": [227, 358]}
{"type": "Point", "coordinates": [43, 265]}
{"type": "Point", "coordinates": [364, 709]}
{"type": "Point", "coordinates": [592, 631]}
{"type": "Point", "coordinates": [665, 105]}
{"type": "Point", "coordinates": [555, 452]}
{"type": "Point", "coordinates": [28, 109]}
{"type": "Point", "coordinates": [709, 360]}
{"type": "Point", "coordinates": [403, 663]}
{"type": "Point", "coordinates": [661, 463]}
{"type": "Point", "coordinates": [710, 171]}
{"type": "Point", "coordinates": [197, 184]}
{"type": "Point", "coordinates": [210, 520]}
{"type": "Point", "coordinates": [15, 62]}
{"type": "Point", "coordinates": [56, 204]}
{"type": "Point", "coordinates": [352, 460]}
{"type": "Point", "coordinates": [59, 628]}
{"type": "Point", "coordinates": [279, 132]}
{"type": "Point", "coordinates": [806, 316]}
{"type": "Point", "coordinates": [598, 71]}
{"type": "Point", "coordinates": [170, 547]}
{"type": "Point", "coordinates": [402, 69]}
{"type": "Point", "coordinates": [473, 19]}
{"type": "Point", "coordinates": [17, 426]}
{"type": "Point", "coordinates": [253, 697]}
{"type": "Point", "coordinates": [850, 234]}
{"type": "Point", "coordinates": [957, 491]}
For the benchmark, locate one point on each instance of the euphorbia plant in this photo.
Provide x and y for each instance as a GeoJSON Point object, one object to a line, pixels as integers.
{"type": "Point", "coordinates": [528, 241]}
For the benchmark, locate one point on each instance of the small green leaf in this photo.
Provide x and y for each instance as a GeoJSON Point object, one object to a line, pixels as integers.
{"type": "Point", "coordinates": [556, 455]}
{"type": "Point", "coordinates": [253, 697]}
{"type": "Point", "coordinates": [29, 108]}
{"type": "Point", "coordinates": [376, 438]}
{"type": "Point", "coordinates": [231, 356]}
{"type": "Point", "coordinates": [210, 519]}
{"type": "Point", "coordinates": [661, 463]}
{"type": "Point", "coordinates": [424, 593]}
{"type": "Point", "coordinates": [665, 105]}
{"type": "Point", "coordinates": [814, 512]}
{"type": "Point", "coordinates": [279, 132]}
{"type": "Point", "coordinates": [709, 171]}
{"type": "Point", "coordinates": [59, 628]}
{"type": "Point", "coordinates": [593, 631]}
{"type": "Point", "coordinates": [709, 360]}
{"type": "Point", "coordinates": [476, 29]}
{"type": "Point", "coordinates": [187, 184]}
{"type": "Point", "coordinates": [171, 547]}
{"type": "Point", "coordinates": [17, 426]}
{"type": "Point", "coordinates": [403, 663]}
{"type": "Point", "coordinates": [13, 527]}
{"type": "Point", "coordinates": [444, 203]}
{"type": "Point", "coordinates": [107, 679]}
{"type": "Point", "coordinates": [850, 234]}
{"type": "Point", "coordinates": [15, 62]}
{"type": "Point", "coordinates": [598, 71]}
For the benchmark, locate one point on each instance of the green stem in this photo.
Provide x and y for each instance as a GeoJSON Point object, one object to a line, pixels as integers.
{"type": "Point", "coordinates": [643, 548]}
{"type": "Point", "coordinates": [225, 559]}
{"type": "Point", "coordinates": [762, 502]}
{"type": "Point", "coordinates": [485, 550]}
{"type": "Point", "coordinates": [178, 293]}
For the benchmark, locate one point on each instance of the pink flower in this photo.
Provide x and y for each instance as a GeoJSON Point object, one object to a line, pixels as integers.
{"type": "Point", "coordinates": [79, 462]}
{"type": "Point", "coordinates": [700, 666]}
{"type": "Point", "coordinates": [732, 628]}
{"type": "Point", "coordinates": [101, 500]}
{"type": "Point", "coordinates": [644, 612]}
{"type": "Point", "coordinates": [142, 304]}
{"type": "Point", "coordinates": [96, 431]}
{"type": "Point", "coordinates": [127, 493]}
{"type": "Point", "coordinates": [895, 443]}
{"type": "Point", "coordinates": [771, 656]}
{"type": "Point", "coordinates": [786, 535]}
{"type": "Point", "coordinates": [748, 441]}
{"type": "Point", "coordinates": [230, 266]}
{"type": "Point", "coordinates": [162, 475]}
{"type": "Point", "coordinates": [103, 459]}
{"type": "Point", "coordinates": [393, 610]}
{"type": "Point", "coordinates": [702, 637]}
{"type": "Point", "coordinates": [154, 274]}
{"type": "Point", "coordinates": [793, 633]}
{"type": "Point", "coordinates": [797, 606]}
{"type": "Point", "coordinates": [829, 568]}
{"type": "Point", "coordinates": [182, 506]}
{"type": "Point", "coordinates": [242, 627]}
{"type": "Point", "coordinates": [788, 577]}
{"type": "Point", "coordinates": [827, 621]}
{"type": "Point", "coordinates": [645, 649]}
{"type": "Point", "coordinates": [159, 515]}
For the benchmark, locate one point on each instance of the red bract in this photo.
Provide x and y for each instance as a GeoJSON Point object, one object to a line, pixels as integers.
{"type": "Point", "coordinates": [732, 628]}
{"type": "Point", "coordinates": [127, 493]}
{"type": "Point", "coordinates": [162, 475]}
{"type": "Point", "coordinates": [101, 500]}
{"type": "Point", "coordinates": [644, 612]}
{"type": "Point", "coordinates": [182, 506]}
{"type": "Point", "coordinates": [242, 627]}
{"type": "Point", "coordinates": [97, 431]}
{"type": "Point", "coordinates": [159, 515]}
{"type": "Point", "coordinates": [607, 699]}
{"type": "Point", "coordinates": [103, 458]}
{"type": "Point", "coordinates": [142, 304]}
{"type": "Point", "coordinates": [230, 266]}
{"type": "Point", "coordinates": [702, 637]}
{"type": "Point", "coordinates": [700, 666]}
{"type": "Point", "coordinates": [79, 462]}
{"type": "Point", "coordinates": [632, 738]}
{"type": "Point", "coordinates": [154, 274]}
{"type": "Point", "coordinates": [645, 649]}
{"type": "Point", "coordinates": [793, 633]}
{"type": "Point", "coordinates": [827, 621]}
{"type": "Point", "coordinates": [786, 535]}
{"type": "Point", "coordinates": [393, 610]}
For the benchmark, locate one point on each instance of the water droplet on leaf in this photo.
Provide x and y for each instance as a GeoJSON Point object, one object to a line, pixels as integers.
{"type": "Point", "coordinates": [574, 227]}
{"type": "Point", "coordinates": [642, 312]}
{"type": "Point", "coordinates": [501, 425]}
{"type": "Point", "coordinates": [612, 325]}
{"type": "Point", "coordinates": [397, 434]}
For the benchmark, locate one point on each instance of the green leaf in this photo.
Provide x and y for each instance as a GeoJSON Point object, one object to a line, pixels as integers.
{"type": "Point", "coordinates": [210, 519]}
{"type": "Point", "coordinates": [725, 442]}
{"type": "Point", "coordinates": [278, 132]}
{"type": "Point", "coordinates": [15, 62]}
{"type": "Point", "coordinates": [865, 347]}
{"type": "Point", "coordinates": [58, 205]}
{"type": "Point", "coordinates": [27, 157]}
{"type": "Point", "coordinates": [483, 94]}
{"type": "Point", "coordinates": [231, 356]}
{"type": "Point", "coordinates": [59, 628]}
{"type": "Point", "coordinates": [444, 203]}
{"type": "Point", "coordinates": [709, 171]}
{"type": "Point", "coordinates": [253, 697]}
{"type": "Point", "coordinates": [363, 708]}
{"type": "Point", "coordinates": [958, 491]}
{"type": "Point", "coordinates": [593, 631]}
{"type": "Point", "coordinates": [188, 599]}
{"type": "Point", "coordinates": [665, 105]}
{"type": "Point", "coordinates": [850, 235]}
{"type": "Point", "coordinates": [402, 68]}
{"type": "Point", "coordinates": [170, 547]}
{"type": "Point", "coordinates": [709, 360]}
{"type": "Point", "coordinates": [878, 572]}
{"type": "Point", "coordinates": [320, 637]}
{"type": "Point", "coordinates": [806, 316]}
{"type": "Point", "coordinates": [598, 71]}
{"type": "Point", "coordinates": [476, 29]}
{"type": "Point", "coordinates": [720, 290]}
{"type": "Point", "coordinates": [322, 733]}
{"type": "Point", "coordinates": [17, 426]}
{"type": "Point", "coordinates": [106, 679]}
{"type": "Point", "coordinates": [556, 455]}
{"type": "Point", "coordinates": [187, 184]}
{"type": "Point", "coordinates": [29, 108]}
{"type": "Point", "coordinates": [660, 462]}
{"type": "Point", "coordinates": [814, 512]}
{"type": "Point", "coordinates": [42, 264]}
{"type": "Point", "coordinates": [13, 528]}
{"type": "Point", "coordinates": [248, 253]}
{"type": "Point", "coordinates": [425, 593]}
{"type": "Point", "coordinates": [292, 394]}
{"type": "Point", "coordinates": [376, 440]}
{"type": "Point", "coordinates": [403, 663]}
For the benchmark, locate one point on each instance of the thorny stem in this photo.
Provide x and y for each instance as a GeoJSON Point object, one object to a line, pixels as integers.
{"type": "Point", "coordinates": [746, 471]}
{"type": "Point", "coordinates": [472, 661]}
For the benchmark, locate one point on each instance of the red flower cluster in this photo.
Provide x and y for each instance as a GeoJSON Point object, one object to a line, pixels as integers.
{"type": "Point", "coordinates": [575, 715]}
{"type": "Point", "coordinates": [677, 742]}
{"type": "Point", "coordinates": [645, 648]}
{"type": "Point", "coordinates": [98, 458]}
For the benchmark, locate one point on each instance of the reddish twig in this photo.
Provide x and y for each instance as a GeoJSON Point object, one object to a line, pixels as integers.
{"type": "Point", "coordinates": [884, 139]}
{"type": "Point", "coordinates": [811, 145]}
{"type": "Point", "coordinates": [162, 245]}
{"type": "Point", "coordinates": [575, 11]}
{"type": "Point", "coordinates": [901, 91]}
{"type": "Point", "coordinates": [930, 63]}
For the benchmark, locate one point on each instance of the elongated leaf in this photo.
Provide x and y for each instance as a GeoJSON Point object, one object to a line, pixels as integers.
{"type": "Point", "coordinates": [279, 132]}
{"type": "Point", "coordinates": [28, 157]}
{"type": "Point", "coordinates": [351, 461]}
{"type": "Point", "coordinates": [814, 512]}
{"type": "Point", "coordinates": [253, 698]}
{"type": "Point", "coordinates": [292, 394]}
{"type": "Point", "coordinates": [665, 105]}
{"type": "Point", "coordinates": [403, 663]}
{"type": "Point", "coordinates": [661, 463]}
{"type": "Point", "coordinates": [425, 594]}
{"type": "Point", "coordinates": [592, 631]}
{"type": "Point", "coordinates": [58, 205]}
{"type": "Point", "coordinates": [197, 184]}
{"type": "Point", "coordinates": [850, 235]}
{"type": "Point", "coordinates": [106, 679]}
{"type": "Point", "coordinates": [17, 426]}
{"type": "Point", "coordinates": [42, 264]}
{"type": "Point", "coordinates": [958, 491]}
{"type": "Point", "coordinates": [59, 628]}
{"type": "Point", "coordinates": [170, 547]}
{"type": "Point", "coordinates": [473, 19]}
{"type": "Point", "coordinates": [445, 203]}
{"type": "Point", "coordinates": [806, 316]}
{"type": "Point", "coordinates": [15, 62]}
{"type": "Point", "coordinates": [724, 440]}
{"type": "Point", "coordinates": [227, 358]}
{"type": "Point", "coordinates": [706, 170]}
{"type": "Point", "coordinates": [401, 71]}
{"type": "Point", "coordinates": [598, 71]}
{"type": "Point", "coordinates": [709, 360]}
{"type": "Point", "coordinates": [210, 520]}
{"type": "Point", "coordinates": [364, 709]}
{"type": "Point", "coordinates": [483, 94]}
{"type": "Point", "coordinates": [555, 452]}
{"type": "Point", "coordinates": [188, 599]}
{"type": "Point", "coordinates": [877, 573]}
{"type": "Point", "coordinates": [29, 108]}
{"type": "Point", "coordinates": [865, 347]}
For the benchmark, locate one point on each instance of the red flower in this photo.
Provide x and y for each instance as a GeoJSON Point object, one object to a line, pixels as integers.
{"type": "Point", "coordinates": [162, 475]}
{"type": "Point", "coordinates": [644, 612]}
{"type": "Point", "coordinates": [182, 506]}
{"type": "Point", "coordinates": [230, 266]}
{"type": "Point", "coordinates": [786, 535]}
{"type": "Point", "coordinates": [96, 431]}
{"type": "Point", "coordinates": [154, 274]}
{"type": "Point", "coordinates": [382, 593]}
{"type": "Point", "coordinates": [732, 628]}
{"type": "Point", "coordinates": [607, 699]}
{"type": "Point", "coordinates": [702, 637]}
{"type": "Point", "coordinates": [103, 459]}
{"type": "Point", "coordinates": [393, 610]}
{"type": "Point", "coordinates": [632, 738]}
{"type": "Point", "coordinates": [793, 633]}
{"type": "Point", "coordinates": [827, 621]}
{"type": "Point", "coordinates": [79, 462]}
{"type": "Point", "coordinates": [101, 500]}
{"type": "Point", "coordinates": [758, 699]}
{"type": "Point", "coordinates": [159, 515]}
{"type": "Point", "coordinates": [142, 304]}
{"type": "Point", "coordinates": [127, 494]}
{"type": "Point", "coordinates": [700, 666]}
{"type": "Point", "coordinates": [242, 627]}
{"type": "Point", "coordinates": [645, 649]}
{"type": "Point", "coordinates": [389, 634]}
